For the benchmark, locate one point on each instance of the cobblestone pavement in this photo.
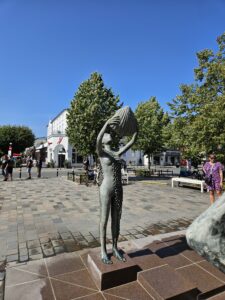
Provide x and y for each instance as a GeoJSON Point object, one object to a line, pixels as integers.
{"type": "Point", "coordinates": [40, 218]}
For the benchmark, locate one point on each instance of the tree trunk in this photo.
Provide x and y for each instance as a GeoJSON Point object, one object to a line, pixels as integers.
{"type": "Point", "coordinates": [149, 163]}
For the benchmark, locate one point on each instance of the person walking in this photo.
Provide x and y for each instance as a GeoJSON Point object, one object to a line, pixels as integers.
{"type": "Point", "coordinates": [213, 171]}
{"type": "Point", "coordinates": [9, 168]}
{"type": "Point", "coordinates": [29, 166]}
{"type": "Point", "coordinates": [39, 167]}
{"type": "Point", "coordinates": [4, 165]}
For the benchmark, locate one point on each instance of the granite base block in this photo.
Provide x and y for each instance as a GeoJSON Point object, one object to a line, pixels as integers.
{"type": "Point", "coordinates": [108, 276]}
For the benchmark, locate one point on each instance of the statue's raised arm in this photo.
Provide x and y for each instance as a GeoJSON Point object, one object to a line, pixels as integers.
{"type": "Point", "coordinates": [128, 145]}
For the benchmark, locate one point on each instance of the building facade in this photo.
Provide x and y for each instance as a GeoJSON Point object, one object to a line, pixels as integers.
{"type": "Point", "coordinates": [59, 150]}
{"type": "Point", "coordinates": [164, 158]}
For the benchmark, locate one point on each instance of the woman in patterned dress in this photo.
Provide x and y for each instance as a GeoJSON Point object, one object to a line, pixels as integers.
{"type": "Point", "coordinates": [216, 169]}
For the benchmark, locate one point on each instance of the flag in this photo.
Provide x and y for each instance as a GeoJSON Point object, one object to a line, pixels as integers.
{"type": "Point", "coordinates": [60, 140]}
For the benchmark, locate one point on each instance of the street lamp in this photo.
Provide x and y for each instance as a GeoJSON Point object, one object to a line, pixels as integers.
{"type": "Point", "coordinates": [10, 150]}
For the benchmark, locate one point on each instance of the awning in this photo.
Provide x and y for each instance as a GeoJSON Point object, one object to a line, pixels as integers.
{"type": "Point", "coordinates": [16, 154]}
{"type": "Point", "coordinates": [45, 145]}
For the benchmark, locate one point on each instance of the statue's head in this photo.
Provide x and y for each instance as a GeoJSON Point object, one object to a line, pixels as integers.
{"type": "Point", "coordinates": [128, 123]}
{"type": "Point", "coordinates": [107, 139]}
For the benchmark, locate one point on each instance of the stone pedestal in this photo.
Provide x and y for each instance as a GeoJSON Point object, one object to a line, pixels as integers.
{"type": "Point", "coordinates": [108, 276]}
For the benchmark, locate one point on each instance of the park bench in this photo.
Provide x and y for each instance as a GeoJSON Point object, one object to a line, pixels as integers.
{"type": "Point", "coordinates": [71, 176]}
{"type": "Point", "coordinates": [77, 177]}
{"type": "Point", "coordinates": [81, 178]}
{"type": "Point", "coordinates": [188, 181]}
{"type": "Point", "coordinates": [165, 172]}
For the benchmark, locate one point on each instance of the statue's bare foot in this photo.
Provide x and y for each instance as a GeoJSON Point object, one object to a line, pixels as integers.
{"type": "Point", "coordinates": [106, 260]}
{"type": "Point", "coordinates": [117, 254]}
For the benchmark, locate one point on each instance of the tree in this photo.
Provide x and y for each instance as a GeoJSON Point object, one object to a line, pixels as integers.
{"type": "Point", "coordinates": [151, 121]}
{"type": "Point", "coordinates": [199, 112]}
{"type": "Point", "coordinates": [21, 137]}
{"type": "Point", "coordinates": [90, 108]}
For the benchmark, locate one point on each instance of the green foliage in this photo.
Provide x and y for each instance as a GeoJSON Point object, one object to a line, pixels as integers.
{"type": "Point", "coordinates": [51, 164]}
{"type": "Point", "coordinates": [92, 105]}
{"type": "Point", "coordinates": [143, 172]}
{"type": "Point", "coordinates": [198, 126]}
{"type": "Point", "coordinates": [139, 172]}
{"type": "Point", "coordinates": [21, 137]}
{"type": "Point", "coordinates": [151, 122]}
{"type": "Point", "coordinates": [67, 164]}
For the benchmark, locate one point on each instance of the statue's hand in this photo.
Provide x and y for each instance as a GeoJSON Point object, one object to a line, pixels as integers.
{"type": "Point", "coordinates": [117, 157]}
{"type": "Point", "coordinates": [114, 122]}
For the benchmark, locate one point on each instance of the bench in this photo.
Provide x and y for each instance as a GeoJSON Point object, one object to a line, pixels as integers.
{"type": "Point", "coordinates": [79, 178]}
{"type": "Point", "coordinates": [165, 172]}
{"type": "Point", "coordinates": [189, 181]}
{"type": "Point", "coordinates": [70, 176]}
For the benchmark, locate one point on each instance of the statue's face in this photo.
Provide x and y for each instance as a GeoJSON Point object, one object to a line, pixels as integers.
{"type": "Point", "coordinates": [107, 139]}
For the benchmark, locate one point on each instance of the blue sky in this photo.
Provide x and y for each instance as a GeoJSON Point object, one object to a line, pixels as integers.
{"type": "Point", "coordinates": [142, 48]}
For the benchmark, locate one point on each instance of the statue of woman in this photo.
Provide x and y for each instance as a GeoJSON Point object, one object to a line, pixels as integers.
{"type": "Point", "coordinates": [111, 191]}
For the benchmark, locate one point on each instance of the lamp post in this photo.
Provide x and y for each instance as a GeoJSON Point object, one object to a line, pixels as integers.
{"type": "Point", "coordinates": [10, 150]}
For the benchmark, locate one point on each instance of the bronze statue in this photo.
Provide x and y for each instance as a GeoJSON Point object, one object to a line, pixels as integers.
{"type": "Point", "coordinates": [123, 123]}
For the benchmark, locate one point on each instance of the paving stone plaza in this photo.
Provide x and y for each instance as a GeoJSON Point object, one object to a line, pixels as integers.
{"type": "Point", "coordinates": [44, 217]}
{"type": "Point", "coordinates": [41, 220]}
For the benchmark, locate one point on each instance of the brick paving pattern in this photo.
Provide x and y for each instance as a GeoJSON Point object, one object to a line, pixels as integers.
{"type": "Point", "coordinates": [41, 218]}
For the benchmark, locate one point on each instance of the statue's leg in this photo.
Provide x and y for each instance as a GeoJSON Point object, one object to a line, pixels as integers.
{"type": "Point", "coordinates": [104, 216]}
{"type": "Point", "coordinates": [115, 226]}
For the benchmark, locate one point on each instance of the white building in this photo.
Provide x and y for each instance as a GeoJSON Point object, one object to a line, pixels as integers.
{"type": "Point", "coordinates": [165, 158]}
{"type": "Point", "coordinates": [59, 150]}
{"type": "Point", "coordinates": [134, 158]}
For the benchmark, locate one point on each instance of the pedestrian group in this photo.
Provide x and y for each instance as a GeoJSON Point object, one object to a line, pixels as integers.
{"type": "Point", "coordinates": [8, 163]}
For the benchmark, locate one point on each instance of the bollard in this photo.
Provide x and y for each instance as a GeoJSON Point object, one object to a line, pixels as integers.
{"type": "Point", "coordinates": [57, 172]}
{"type": "Point", "coordinates": [73, 176]}
{"type": "Point", "coordinates": [20, 175]}
{"type": "Point", "coordinates": [86, 178]}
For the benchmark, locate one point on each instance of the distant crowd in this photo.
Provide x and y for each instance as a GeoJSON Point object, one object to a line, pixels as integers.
{"type": "Point", "coordinates": [8, 163]}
